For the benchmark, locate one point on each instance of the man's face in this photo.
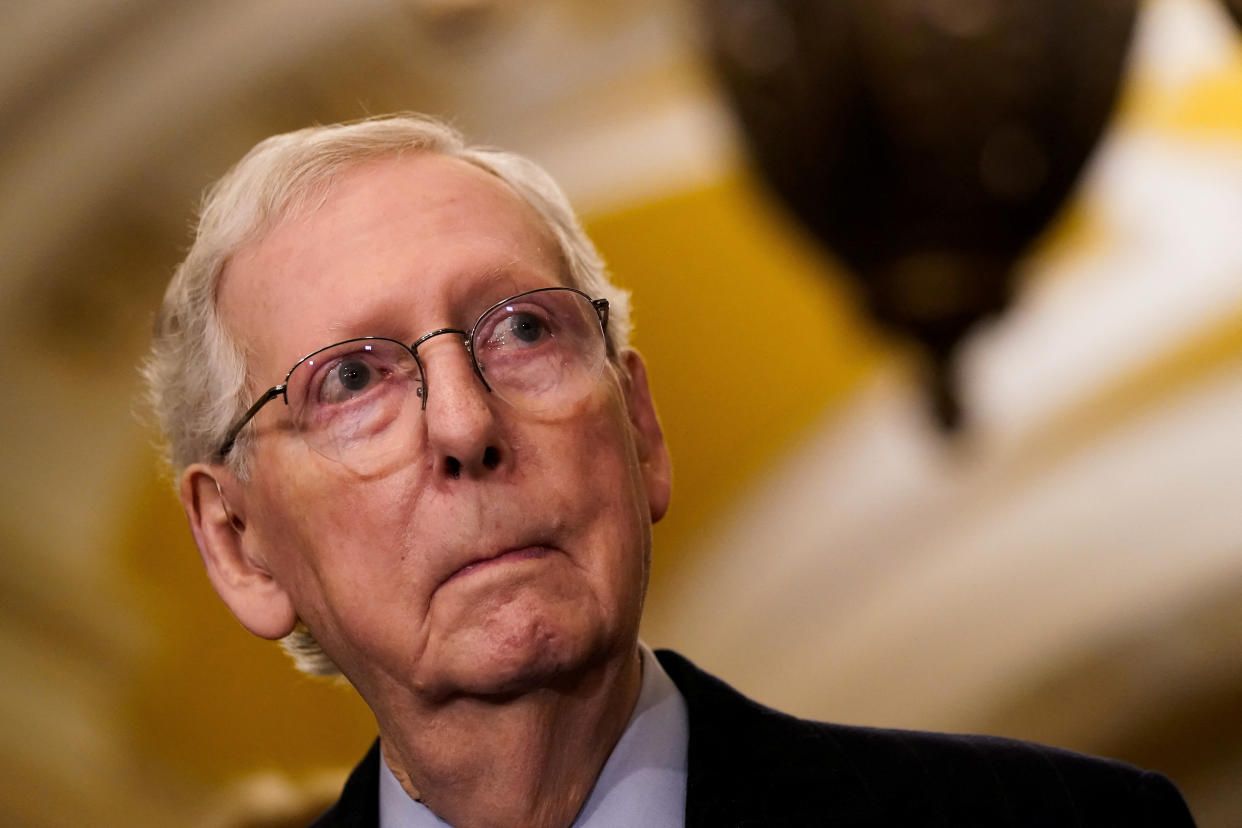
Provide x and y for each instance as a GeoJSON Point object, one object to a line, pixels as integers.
{"type": "Point", "coordinates": [528, 557]}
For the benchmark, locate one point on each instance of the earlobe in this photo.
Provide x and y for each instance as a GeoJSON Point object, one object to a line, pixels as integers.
{"type": "Point", "coordinates": [652, 452]}
{"type": "Point", "coordinates": [230, 552]}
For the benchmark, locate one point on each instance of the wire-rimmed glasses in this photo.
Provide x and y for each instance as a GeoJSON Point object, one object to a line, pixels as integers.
{"type": "Point", "coordinates": [541, 351]}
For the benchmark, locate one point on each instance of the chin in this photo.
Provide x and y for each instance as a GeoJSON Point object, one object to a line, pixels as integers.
{"type": "Point", "coordinates": [532, 654]}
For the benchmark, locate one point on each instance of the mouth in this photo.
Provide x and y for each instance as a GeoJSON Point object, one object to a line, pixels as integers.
{"type": "Point", "coordinates": [512, 555]}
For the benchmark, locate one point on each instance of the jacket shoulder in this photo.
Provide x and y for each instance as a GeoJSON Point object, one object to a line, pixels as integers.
{"type": "Point", "coordinates": [751, 765]}
{"type": "Point", "coordinates": [358, 806]}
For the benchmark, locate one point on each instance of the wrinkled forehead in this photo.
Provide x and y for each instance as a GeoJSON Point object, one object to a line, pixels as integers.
{"type": "Point", "coordinates": [401, 235]}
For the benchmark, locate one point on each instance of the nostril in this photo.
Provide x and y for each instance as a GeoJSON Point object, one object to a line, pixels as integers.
{"type": "Point", "coordinates": [491, 457]}
{"type": "Point", "coordinates": [453, 466]}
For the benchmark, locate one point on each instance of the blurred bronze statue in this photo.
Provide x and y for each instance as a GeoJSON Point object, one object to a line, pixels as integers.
{"type": "Point", "coordinates": [925, 142]}
{"type": "Point", "coordinates": [1234, 7]}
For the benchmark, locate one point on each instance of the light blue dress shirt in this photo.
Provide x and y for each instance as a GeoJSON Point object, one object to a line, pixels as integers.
{"type": "Point", "coordinates": [642, 783]}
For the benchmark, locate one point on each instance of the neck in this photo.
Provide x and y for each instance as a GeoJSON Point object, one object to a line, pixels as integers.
{"type": "Point", "coordinates": [528, 760]}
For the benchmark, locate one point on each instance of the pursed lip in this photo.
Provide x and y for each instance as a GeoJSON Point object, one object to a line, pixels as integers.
{"type": "Point", "coordinates": [508, 555]}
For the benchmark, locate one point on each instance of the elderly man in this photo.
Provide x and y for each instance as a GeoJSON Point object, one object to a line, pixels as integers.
{"type": "Point", "coordinates": [413, 443]}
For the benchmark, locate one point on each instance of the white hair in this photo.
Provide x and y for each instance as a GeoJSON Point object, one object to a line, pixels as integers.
{"type": "Point", "coordinates": [196, 374]}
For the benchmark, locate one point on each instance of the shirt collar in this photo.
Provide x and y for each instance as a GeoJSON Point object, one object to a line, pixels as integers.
{"type": "Point", "coordinates": [642, 783]}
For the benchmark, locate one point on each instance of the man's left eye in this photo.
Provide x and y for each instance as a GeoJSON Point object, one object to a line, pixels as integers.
{"type": "Point", "coordinates": [520, 329]}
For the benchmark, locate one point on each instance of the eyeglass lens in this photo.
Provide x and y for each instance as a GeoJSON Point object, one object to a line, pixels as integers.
{"type": "Point", "coordinates": [539, 351]}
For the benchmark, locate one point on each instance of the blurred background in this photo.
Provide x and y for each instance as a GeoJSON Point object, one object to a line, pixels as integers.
{"type": "Point", "coordinates": [1065, 564]}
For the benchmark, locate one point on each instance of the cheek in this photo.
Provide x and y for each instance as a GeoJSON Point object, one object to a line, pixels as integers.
{"type": "Point", "coordinates": [599, 482]}
{"type": "Point", "coordinates": [335, 543]}
{"type": "Point", "coordinates": [586, 462]}
{"type": "Point", "coordinates": [353, 570]}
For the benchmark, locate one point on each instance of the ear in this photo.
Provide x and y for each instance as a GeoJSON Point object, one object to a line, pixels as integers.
{"type": "Point", "coordinates": [210, 496]}
{"type": "Point", "coordinates": [652, 453]}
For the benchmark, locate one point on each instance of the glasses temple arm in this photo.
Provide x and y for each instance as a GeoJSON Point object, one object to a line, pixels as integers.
{"type": "Point", "coordinates": [231, 438]}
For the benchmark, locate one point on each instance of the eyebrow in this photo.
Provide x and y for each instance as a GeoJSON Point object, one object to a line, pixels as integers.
{"type": "Point", "coordinates": [482, 284]}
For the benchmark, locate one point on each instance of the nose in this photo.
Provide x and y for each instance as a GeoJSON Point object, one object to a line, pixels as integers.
{"type": "Point", "coordinates": [463, 435]}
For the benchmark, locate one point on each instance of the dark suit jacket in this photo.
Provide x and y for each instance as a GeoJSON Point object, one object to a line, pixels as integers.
{"type": "Point", "coordinates": [752, 766]}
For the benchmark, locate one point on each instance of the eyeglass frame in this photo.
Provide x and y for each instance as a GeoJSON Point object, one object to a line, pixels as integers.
{"type": "Point", "coordinates": [600, 306]}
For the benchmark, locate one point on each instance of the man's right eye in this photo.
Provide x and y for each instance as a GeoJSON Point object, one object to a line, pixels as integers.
{"type": "Point", "coordinates": [346, 380]}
